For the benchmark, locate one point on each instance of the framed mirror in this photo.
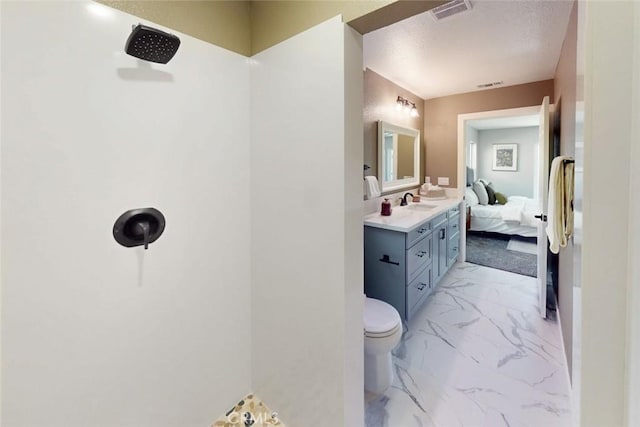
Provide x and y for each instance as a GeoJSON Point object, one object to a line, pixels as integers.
{"type": "Point", "coordinates": [398, 157]}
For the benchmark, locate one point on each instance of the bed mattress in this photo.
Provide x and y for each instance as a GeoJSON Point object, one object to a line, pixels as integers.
{"type": "Point", "coordinates": [515, 217]}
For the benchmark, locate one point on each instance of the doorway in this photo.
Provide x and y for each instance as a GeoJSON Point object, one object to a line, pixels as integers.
{"type": "Point", "coordinates": [502, 174]}
{"type": "Point", "coordinates": [492, 241]}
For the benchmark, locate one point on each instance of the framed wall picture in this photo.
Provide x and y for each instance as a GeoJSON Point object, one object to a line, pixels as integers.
{"type": "Point", "coordinates": [505, 157]}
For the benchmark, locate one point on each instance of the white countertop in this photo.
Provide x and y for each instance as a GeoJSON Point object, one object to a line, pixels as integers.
{"type": "Point", "coordinates": [405, 218]}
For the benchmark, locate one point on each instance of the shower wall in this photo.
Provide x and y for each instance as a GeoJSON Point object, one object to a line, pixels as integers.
{"type": "Point", "coordinates": [306, 240]}
{"type": "Point", "coordinates": [93, 333]}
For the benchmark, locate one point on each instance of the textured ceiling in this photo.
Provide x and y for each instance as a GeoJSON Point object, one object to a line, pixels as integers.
{"type": "Point", "coordinates": [511, 41]}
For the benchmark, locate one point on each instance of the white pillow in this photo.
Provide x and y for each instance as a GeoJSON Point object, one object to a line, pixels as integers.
{"type": "Point", "coordinates": [471, 197]}
{"type": "Point", "coordinates": [483, 197]}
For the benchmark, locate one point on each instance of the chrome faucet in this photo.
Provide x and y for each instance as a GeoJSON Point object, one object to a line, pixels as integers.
{"type": "Point", "coordinates": [404, 199]}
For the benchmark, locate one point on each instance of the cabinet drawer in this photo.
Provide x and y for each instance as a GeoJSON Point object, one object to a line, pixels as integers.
{"type": "Point", "coordinates": [454, 226]}
{"type": "Point", "coordinates": [417, 257]}
{"type": "Point", "coordinates": [454, 210]}
{"type": "Point", "coordinates": [418, 290]}
{"type": "Point", "coordinates": [454, 248]}
{"type": "Point", "coordinates": [454, 239]}
{"type": "Point", "coordinates": [418, 234]}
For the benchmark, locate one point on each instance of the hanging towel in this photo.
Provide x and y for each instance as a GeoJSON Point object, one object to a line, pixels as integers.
{"type": "Point", "coordinates": [568, 198]}
{"type": "Point", "coordinates": [371, 188]}
{"type": "Point", "coordinates": [559, 205]}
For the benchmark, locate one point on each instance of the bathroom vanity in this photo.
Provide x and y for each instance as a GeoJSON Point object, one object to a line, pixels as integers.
{"type": "Point", "coordinates": [406, 254]}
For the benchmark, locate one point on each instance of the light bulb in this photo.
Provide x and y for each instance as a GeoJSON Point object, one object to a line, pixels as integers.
{"type": "Point", "coordinates": [399, 104]}
{"type": "Point", "coordinates": [406, 106]}
{"type": "Point", "coordinates": [414, 111]}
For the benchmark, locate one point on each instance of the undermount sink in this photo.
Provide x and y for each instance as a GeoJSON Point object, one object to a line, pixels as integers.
{"type": "Point", "coordinates": [420, 207]}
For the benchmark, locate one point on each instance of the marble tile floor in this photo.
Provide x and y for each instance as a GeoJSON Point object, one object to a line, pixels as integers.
{"type": "Point", "coordinates": [477, 355]}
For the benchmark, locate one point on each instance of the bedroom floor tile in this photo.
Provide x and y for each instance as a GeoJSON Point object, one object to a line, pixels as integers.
{"type": "Point", "coordinates": [477, 354]}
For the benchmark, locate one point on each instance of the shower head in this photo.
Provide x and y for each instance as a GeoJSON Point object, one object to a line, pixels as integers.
{"type": "Point", "coordinates": [151, 44]}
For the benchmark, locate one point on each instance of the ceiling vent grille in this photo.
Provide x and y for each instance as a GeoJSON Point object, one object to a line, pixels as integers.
{"type": "Point", "coordinates": [450, 8]}
{"type": "Point", "coordinates": [491, 84]}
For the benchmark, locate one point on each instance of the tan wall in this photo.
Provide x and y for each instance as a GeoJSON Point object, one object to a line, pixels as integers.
{"type": "Point", "coordinates": [242, 26]}
{"type": "Point", "coordinates": [380, 96]}
{"type": "Point", "coordinates": [249, 27]}
{"type": "Point", "coordinates": [441, 121]}
{"type": "Point", "coordinates": [275, 21]}
{"type": "Point", "coordinates": [223, 23]}
{"type": "Point", "coordinates": [565, 97]}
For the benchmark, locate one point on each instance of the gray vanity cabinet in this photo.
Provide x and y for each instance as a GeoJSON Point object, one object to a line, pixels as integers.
{"type": "Point", "coordinates": [398, 266]}
{"type": "Point", "coordinates": [403, 268]}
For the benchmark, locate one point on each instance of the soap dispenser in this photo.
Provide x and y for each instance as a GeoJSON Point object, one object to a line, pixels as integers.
{"type": "Point", "coordinates": [386, 208]}
{"type": "Point", "coordinates": [425, 187]}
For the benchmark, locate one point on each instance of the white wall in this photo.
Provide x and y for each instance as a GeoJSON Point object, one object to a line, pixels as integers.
{"type": "Point", "coordinates": [1, 305]}
{"type": "Point", "coordinates": [520, 182]}
{"type": "Point", "coordinates": [578, 227]}
{"type": "Point", "coordinates": [353, 230]}
{"type": "Point", "coordinates": [95, 334]}
{"type": "Point", "coordinates": [471, 135]}
{"type": "Point", "coordinates": [633, 355]}
{"type": "Point", "coordinates": [306, 187]}
{"type": "Point", "coordinates": [608, 97]}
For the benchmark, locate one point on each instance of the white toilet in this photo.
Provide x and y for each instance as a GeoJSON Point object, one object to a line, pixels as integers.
{"type": "Point", "coordinates": [382, 332]}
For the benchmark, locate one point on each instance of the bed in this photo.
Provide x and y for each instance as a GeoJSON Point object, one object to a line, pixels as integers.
{"type": "Point", "coordinates": [514, 217]}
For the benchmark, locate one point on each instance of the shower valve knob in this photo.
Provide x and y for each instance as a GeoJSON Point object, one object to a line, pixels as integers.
{"type": "Point", "coordinates": [139, 227]}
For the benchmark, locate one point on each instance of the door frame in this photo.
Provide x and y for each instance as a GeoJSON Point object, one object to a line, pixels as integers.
{"type": "Point", "coordinates": [462, 156]}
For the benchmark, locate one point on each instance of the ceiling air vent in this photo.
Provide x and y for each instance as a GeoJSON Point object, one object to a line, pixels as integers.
{"type": "Point", "coordinates": [491, 84]}
{"type": "Point", "coordinates": [450, 8]}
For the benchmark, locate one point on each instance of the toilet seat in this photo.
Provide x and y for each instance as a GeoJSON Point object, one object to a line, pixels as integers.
{"type": "Point", "coordinates": [386, 334]}
{"type": "Point", "coordinates": [380, 319]}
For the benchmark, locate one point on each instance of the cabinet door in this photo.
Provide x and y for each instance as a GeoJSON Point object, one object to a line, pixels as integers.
{"type": "Point", "coordinates": [442, 254]}
{"type": "Point", "coordinates": [439, 251]}
{"type": "Point", "coordinates": [385, 267]}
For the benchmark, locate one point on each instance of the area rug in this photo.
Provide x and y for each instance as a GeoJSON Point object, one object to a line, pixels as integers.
{"type": "Point", "coordinates": [521, 244]}
{"type": "Point", "coordinates": [491, 250]}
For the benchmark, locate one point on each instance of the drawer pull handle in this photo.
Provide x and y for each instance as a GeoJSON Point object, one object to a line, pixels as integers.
{"type": "Point", "coordinates": [421, 286]}
{"type": "Point", "coordinates": [385, 258]}
{"type": "Point", "coordinates": [422, 230]}
{"type": "Point", "coordinates": [421, 254]}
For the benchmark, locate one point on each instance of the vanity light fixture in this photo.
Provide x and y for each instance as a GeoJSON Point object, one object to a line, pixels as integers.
{"type": "Point", "coordinates": [407, 106]}
{"type": "Point", "coordinates": [400, 103]}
